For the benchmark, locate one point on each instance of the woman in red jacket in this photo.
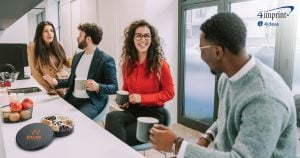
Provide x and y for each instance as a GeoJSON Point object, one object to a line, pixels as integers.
{"type": "Point", "coordinates": [147, 78]}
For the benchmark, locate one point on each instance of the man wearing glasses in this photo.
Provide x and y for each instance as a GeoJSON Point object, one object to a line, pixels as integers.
{"type": "Point", "coordinates": [256, 115]}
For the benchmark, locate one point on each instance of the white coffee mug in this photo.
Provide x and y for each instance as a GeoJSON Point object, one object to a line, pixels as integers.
{"type": "Point", "coordinates": [80, 84]}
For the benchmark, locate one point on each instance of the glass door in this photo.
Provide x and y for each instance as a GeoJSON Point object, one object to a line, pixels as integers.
{"type": "Point", "coordinates": [197, 84]}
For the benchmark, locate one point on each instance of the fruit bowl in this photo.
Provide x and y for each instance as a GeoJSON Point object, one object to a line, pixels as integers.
{"type": "Point", "coordinates": [17, 111]}
{"type": "Point", "coordinates": [9, 116]}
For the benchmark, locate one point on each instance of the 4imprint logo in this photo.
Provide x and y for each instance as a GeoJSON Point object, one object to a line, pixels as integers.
{"type": "Point", "coordinates": [267, 17]}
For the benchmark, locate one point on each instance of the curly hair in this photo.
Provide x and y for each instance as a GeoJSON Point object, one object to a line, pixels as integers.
{"type": "Point", "coordinates": [155, 52]}
{"type": "Point", "coordinates": [227, 30]}
{"type": "Point", "coordinates": [92, 30]}
{"type": "Point", "coordinates": [41, 50]}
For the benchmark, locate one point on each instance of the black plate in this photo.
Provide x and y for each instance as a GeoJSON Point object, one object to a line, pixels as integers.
{"type": "Point", "coordinates": [34, 136]}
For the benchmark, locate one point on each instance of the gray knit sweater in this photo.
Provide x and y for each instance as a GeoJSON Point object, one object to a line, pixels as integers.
{"type": "Point", "coordinates": [256, 118]}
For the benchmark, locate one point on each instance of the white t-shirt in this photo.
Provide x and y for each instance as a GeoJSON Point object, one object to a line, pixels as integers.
{"type": "Point", "coordinates": [81, 72]}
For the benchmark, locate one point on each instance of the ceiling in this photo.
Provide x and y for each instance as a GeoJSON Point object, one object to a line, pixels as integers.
{"type": "Point", "coordinates": [12, 10]}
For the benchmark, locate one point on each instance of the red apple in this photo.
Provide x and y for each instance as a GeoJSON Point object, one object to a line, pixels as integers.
{"type": "Point", "coordinates": [27, 103]}
{"type": "Point", "coordinates": [15, 106]}
{"type": "Point", "coordinates": [13, 101]}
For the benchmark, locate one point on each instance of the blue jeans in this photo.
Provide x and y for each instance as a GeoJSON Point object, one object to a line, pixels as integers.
{"type": "Point", "coordinates": [85, 105]}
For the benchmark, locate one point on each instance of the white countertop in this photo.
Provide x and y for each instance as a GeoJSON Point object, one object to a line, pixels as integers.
{"type": "Point", "coordinates": [88, 139]}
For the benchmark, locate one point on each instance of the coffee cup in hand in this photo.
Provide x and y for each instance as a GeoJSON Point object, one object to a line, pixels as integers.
{"type": "Point", "coordinates": [144, 124]}
{"type": "Point", "coordinates": [122, 97]}
{"type": "Point", "coordinates": [80, 84]}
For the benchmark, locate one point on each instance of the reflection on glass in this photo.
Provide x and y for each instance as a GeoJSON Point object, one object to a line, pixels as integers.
{"type": "Point", "coordinates": [296, 74]}
{"type": "Point", "coordinates": [199, 83]}
{"type": "Point", "coordinates": [260, 39]}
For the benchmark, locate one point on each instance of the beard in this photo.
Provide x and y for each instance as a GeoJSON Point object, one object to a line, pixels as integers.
{"type": "Point", "coordinates": [82, 44]}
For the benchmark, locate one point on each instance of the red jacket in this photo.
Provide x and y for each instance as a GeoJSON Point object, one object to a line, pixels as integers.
{"type": "Point", "coordinates": [155, 89]}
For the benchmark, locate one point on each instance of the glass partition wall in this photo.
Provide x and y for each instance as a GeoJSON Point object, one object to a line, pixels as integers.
{"type": "Point", "coordinates": [197, 98]}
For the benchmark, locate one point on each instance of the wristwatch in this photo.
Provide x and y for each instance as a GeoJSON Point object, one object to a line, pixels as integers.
{"type": "Point", "coordinates": [207, 136]}
{"type": "Point", "coordinates": [176, 145]}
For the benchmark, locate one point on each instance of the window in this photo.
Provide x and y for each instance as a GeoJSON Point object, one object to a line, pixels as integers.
{"type": "Point", "coordinates": [260, 40]}
{"type": "Point", "coordinates": [273, 45]}
{"type": "Point", "coordinates": [198, 84]}
{"type": "Point", "coordinates": [296, 73]}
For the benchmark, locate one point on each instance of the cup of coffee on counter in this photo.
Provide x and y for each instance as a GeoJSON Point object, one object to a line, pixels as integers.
{"type": "Point", "coordinates": [122, 97]}
{"type": "Point", "coordinates": [80, 84]}
{"type": "Point", "coordinates": [144, 124]}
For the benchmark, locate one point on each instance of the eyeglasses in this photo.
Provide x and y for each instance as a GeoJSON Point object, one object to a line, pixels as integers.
{"type": "Point", "coordinates": [139, 36]}
{"type": "Point", "coordinates": [199, 49]}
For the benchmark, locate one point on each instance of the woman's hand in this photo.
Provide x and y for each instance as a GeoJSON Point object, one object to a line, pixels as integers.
{"type": "Point", "coordinates": [135, 98]}
{"type": "Point", "coordinates": [50, 80]}
{"type": "Point", "coordinates": [124, 106]}
{"type": "Point", "coordinates": [92, 85]}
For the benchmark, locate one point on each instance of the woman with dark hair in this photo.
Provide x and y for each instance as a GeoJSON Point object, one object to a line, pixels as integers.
{"type": "Point", "coordinates": [147, 78]}
{"type": "Point", "coordinates": [47, 56]}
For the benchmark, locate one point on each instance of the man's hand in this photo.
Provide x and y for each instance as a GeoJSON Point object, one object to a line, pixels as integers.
{"type": "Point", "coordinates": [162, 138]}
{"type": "Point", "coordinates": [135, 98]}
{"type": "Point", "coordinates": [203, 142]}
{"type": "Point", "coordinates": [50, 80]}
{"type": "Point", "coordinates": [91, 85]}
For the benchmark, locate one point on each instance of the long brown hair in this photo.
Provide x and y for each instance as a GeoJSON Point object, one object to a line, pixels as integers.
{"type": "Point", "coordinates": [42, 51]}
{"type": "Point", "coordinates": [155, 52]}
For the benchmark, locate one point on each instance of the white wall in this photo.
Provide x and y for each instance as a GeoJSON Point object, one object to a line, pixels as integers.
{"type": "Point", "coordinates": [17, 32]}
{"type": "Point", "coordinates": [65, 22]}
{"type": "Point", "coordinates": [89, 11]}
{"type": "Point", "coordinates": [164, 16]}
{"type": "Point", "coordinates": [51, 7]}
{"type": "Point", "coordinates": [72, 13]}
{"type": "Point", "coordinates": [116, 15]}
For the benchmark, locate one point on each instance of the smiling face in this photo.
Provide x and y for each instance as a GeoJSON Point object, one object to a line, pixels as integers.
{"type": "Point", "coordinates": [142, 39]}
{"type": "Point", "coordinates": [208, 54]}
{"type": "Point", "coordinates": [48, 34]}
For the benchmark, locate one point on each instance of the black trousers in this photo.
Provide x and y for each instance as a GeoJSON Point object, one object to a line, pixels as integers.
{"type": "Point", "coordinates": [123, 124]}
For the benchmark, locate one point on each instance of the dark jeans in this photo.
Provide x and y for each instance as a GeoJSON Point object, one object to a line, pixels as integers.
{"type": "Point", "coordinates": [85, 105]}
{"type": "Point", "coordinates": [123, 124]}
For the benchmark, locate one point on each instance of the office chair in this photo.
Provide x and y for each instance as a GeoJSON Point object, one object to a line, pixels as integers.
{"type": "Point", "coordinates": [148, 145]}
{"type": "Point", "coordinates": [102, 115]}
